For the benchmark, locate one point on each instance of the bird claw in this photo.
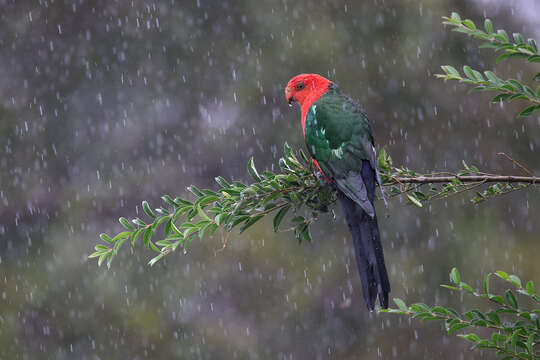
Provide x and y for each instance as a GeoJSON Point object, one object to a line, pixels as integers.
{"type": "Point", "coordinates": [319, 176]}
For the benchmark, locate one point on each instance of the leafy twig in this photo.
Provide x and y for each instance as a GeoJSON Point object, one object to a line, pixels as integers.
{"type": "Point", "coordinates": [518, 336]}
{"type": "Point", "coordinates": [510, 89]}
{"type": "Point", "coordinates": [296, 189]}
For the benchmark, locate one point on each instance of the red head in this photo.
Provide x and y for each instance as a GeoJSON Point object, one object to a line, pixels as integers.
{"type": "Point", "coordinates": [305, 89]}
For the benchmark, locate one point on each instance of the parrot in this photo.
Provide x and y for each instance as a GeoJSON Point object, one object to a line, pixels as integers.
{"type": "Point", "coordinates": [338, 137]}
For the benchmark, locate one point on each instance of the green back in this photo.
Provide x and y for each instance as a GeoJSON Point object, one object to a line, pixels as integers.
{"type": "Point", "coordinates": [338, 135]}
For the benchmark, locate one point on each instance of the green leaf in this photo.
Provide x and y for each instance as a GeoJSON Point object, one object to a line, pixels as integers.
{"type": "Point", "coordinates": [106, 238]}
{"type": "Point", "coordinates": [168, 227]}
{"type": "Point", "coordinates": [469, 72]}
{"type": "Point", "coordinates": [530, 288]}
{"type": "Point", "coordinates": [270, 198]}
{"type": "Point", "coordinates": [147, 209]}
{"type": "Point", "coordinates": [304, 156]}
{"type": "Point", "coordinates": [493, 317]}
{"type": "Point", "coordinates": [477, 88]}
{"type": "Point", "coordinates": [501, 97]}
{"type": "Point", "coordinates": [414, 200]}
{"type": "Point", "coordinates": [236, 221]}
{"type": "Point", "coordinates": [156, 259]}
{"type": "Point", "coordinates": [534, 58]}
{"type": "Point", "coordinates": [146, 237]}
{"type": "Point", "coordinates": [122, 235]}
{"type": "Point", "coordinates": [252, 171]}
{"type": "Point", "coordinates": [306, 234]}
{"type": "Point", "coordinates": [195, 191]}
{"type": "Point", "coordinates": [486, 284]}
{"type": "Point", "coordinates": [449, 287]}
{"type": "Point", "coordinates": [503, 34]}
{"type": "Point", "coordinates": [250, 222]}
{"type": "Point", "coordinates": [536, 77]}
{"type": "Point", "coordinates": [207, 199]}
{"type": "Point", "coordinates": [125, 223]}
{"type": "Point", "coordinates": [532, 44]}
{"type": "Point", "coordinates": [525, 315]}
{"type": "Point", "coordinates": [135, 236]}
{"type": "Point", "coordinates": [515, 84]}
{"type": "Point", "coordinates": [530, 342]}
{"type": "Point", "coordinates": [95, 254]}
{"type": "Point", "coordinates": [511, 298]}
{"type": "Point", "coordinates": [529, 92]}
{"type": "Point", "coordinates": [154, 247]}
{"type": "Point", "coordinates": [159, 221]}
{"type": "Point", "coordinates": [451, 71]}
{"type": "Point", "coordinates": [456, 327]}
{"type": "Point", "coordinates": [295, 199]}
{"type": "Point", "coordinates": [518, 38]}
{"type": "Point", "coordinates": [201, 213]}
{"type": "Point", "coordinates": [180, 211]}
{"type": "Point", "coordinates": [222, 182]}
{"type": "Point", "coordinates": [212, 229]}
{"type": "Point", "coordinates": [455, 16]}
{"type": "Point", "coordinates": [298, 219]}
{"type": "Point", "coordinates": [454, 276]}
{"type": "Point", "coordinates": [279, 216]}
{"type": "Point", "coordinates": [492, 77]}
{"type": "Point", "coordinates": [181, 201]}
{"type": "Point", "coordinates": [488, 25]}
{"type": "Point", "coordinates": [478, 76]}
{"type": "Point", "coordinates": [401, 304]}
{"type": "Point", "coordinates": [169, 200]}
{"type": "Point", "coordinates": [471, 337]}
{"type": "Point", "coordinates": [102, 258]}
{"type": "Point", "coordinates": [203, 228]}
{"type": "Point", "coordinates": [502, 274]}
{"type": "Point", "coordinates": [420, 307]}
{"type": "Point", "coordinates": [439, 310]}
{"type": "Point", "coordinates": [498, 299]}
{"type": "Point", "coordinates": [219, 218]}
{"type": "Point", "coordinates": [162, 211]}
{"type": "Point", "coordinates": [515, 280]}
{"type": "Point", "coordinates": [478, 314]}
{"type": "Point", "coordinates": [187, 225]}
{"type": "Point", "coordinates": [189, 231]}
{"type": "Point", "coordinates": [502, 57]}
{"type": "Point", "coordinates": [139, 222]}
{"type": "Point", "coordinates": [514, 340]}
{"type": "Point", "coordinates": [529, 111]}
{"type": "Point", "coordinates": [468, 23]}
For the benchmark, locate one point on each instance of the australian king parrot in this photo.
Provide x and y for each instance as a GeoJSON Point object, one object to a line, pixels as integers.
{"type": "Point", "coordinates": [338, 136]}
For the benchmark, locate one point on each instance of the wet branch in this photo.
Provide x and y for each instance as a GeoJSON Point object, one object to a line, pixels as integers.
{"type": "Point", "coordinates": [464, 179]}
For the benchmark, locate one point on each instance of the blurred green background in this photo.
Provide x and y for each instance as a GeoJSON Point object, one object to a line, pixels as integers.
{"type": "Point", "coordinates": [108, 103]}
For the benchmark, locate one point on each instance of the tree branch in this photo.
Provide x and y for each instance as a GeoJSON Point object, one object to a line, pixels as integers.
{"type": "Point", "coordinates": [464, 179]}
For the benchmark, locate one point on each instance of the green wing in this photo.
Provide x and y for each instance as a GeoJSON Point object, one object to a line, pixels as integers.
{"type": "Point", "coordinates": [338, 136]}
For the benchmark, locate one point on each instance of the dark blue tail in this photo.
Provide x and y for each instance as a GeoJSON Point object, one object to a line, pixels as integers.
{"type": "Point", "coordinates": [367, 244]}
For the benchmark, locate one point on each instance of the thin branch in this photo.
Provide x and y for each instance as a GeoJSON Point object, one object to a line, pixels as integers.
{"type": "Point", "coordinates": [463, 189]}
{"type": "Point", "coordinates": [527, 171]}
{"type": "Point", "coordinates": [394, 180]}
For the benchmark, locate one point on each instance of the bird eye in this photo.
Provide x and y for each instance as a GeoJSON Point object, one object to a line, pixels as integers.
{"type": "Point", "coordinates": [300, 85]}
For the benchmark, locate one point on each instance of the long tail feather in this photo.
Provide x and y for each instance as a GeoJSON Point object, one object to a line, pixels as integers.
{"type": "Point", "coordinates": [369, 252]}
